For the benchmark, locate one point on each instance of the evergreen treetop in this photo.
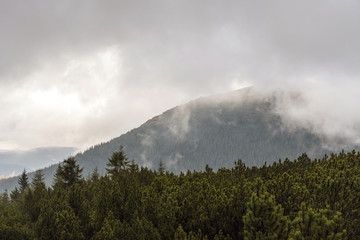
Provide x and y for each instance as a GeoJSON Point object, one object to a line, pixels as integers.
{"type": "Point", "coordinates": [23, 181]}
{"type": "Point", "coordinates": [118, 162]}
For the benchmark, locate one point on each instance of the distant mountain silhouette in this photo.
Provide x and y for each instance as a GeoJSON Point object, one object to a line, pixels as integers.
{"type": "Point", "coordinates": [15, 161]}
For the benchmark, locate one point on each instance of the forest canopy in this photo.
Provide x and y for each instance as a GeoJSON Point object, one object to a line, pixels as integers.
{"type": "Point", "coordinates": [301, 199]}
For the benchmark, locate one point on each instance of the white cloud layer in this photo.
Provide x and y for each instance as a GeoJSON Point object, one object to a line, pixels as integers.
{"type": "Point", "coordinates": [77, 73]}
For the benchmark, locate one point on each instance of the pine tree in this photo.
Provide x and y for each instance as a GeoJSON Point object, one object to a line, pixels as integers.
{"type": "Point", "coordinates": [68, 225]}
{"type": "Point", "coordinates": [161, 168]}
{"type": "Point", "coordinates": [133, 167]}
{"type": "Point", "coordinates": [264, 219]}
{"type": "Point", "coordinates": [32, 197]}
{"type": "Point", "coordinates": [95, 175]}
{"type": "Point", "coordinates": [46, 226]}
{"type": "Point", "coordinates": [112, 228]}
{"type": "Point", "coordinates": [68, 173]}
{"type": "Point", "coordinates": [118, 162]}
{"type": "Point", "coordinates": [23, 181]}
{"type": "Point", "coordinates": [321, 224]}
{"type": "Point", "coordinates": [38, 179]}
{"type": "Point", "coordinates": [15, 195]}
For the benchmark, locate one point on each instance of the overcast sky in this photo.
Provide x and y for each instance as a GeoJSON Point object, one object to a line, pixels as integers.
{"type": "Point", "coordinates": [77, 73]}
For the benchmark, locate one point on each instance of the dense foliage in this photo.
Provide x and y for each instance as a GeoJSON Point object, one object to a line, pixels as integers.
{"type": "Point", "coordinates": [300, 199]}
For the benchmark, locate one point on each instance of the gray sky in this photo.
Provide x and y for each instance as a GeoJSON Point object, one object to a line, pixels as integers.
{"type": "Point", "coordinates": [76, 73]}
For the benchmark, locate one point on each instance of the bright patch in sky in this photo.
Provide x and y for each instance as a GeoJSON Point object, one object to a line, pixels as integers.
{"type": "Point", "coordinates": [76, 73]}
{"type": "Point", "coordinates": [63, 95]}
{"type": "Point", "coordinates": [239, 84]}
{"type": "Point", "coordinates": [53, 99]}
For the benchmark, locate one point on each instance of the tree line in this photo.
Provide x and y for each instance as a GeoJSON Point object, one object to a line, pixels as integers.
{"type": "Point", "coordinates": [300, 199]}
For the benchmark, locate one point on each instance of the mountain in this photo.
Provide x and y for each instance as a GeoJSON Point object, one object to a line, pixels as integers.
{"type": "Point", "coordinates": [7, 169]}
{"type": "Point", "coordinates": [15, 161]}
{"type": "Point", "coordinates": [214, 131]}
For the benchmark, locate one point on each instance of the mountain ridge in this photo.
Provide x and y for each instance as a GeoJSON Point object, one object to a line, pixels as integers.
{"type": "Point", "coordinates": [215, 131]}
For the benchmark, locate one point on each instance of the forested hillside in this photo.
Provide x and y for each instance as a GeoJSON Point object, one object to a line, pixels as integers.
{"type": "Point", "coordinates": [215, 130]}
{"type": "Point", "coordinates": [300, 199]}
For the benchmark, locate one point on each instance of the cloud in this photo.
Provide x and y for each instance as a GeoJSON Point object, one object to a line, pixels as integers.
{"type": "Point", "coordinates": [178, 124]}
{"type": "Point", "coordinates": [8, 176]}
{"type": "Point", "coordinates": [323, 108]}
{"type": "Point", "coordinates": [147, 143]}
{"type": "Point", "coordinates": [172, 161]}
{"type": "Point", "coordinates": [81, 72]}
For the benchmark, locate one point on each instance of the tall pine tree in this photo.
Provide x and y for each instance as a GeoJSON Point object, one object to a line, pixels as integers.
{"type": "Point", "coordinates": [23, 181]}
{"type": "Point", "coordinates": [68, 173]}
{"type": "Point", "coordinates": [118, 162]}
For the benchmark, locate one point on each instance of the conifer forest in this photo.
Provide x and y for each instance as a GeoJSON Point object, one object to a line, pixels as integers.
{"type": "Point", "coordinates": [290, 199]}
{"type": "Point", "coordinates": [179, 120]}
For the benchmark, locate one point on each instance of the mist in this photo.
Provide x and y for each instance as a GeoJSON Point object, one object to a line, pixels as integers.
{"type": "Point", "coordinates": [80, 73]}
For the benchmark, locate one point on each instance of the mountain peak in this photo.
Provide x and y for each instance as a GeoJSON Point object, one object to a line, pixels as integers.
{"type": "Point", "coordinates": [216, 131]}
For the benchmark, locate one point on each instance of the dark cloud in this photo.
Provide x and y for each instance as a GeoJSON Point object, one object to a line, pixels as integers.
{"type": "Point", "coordinates": [173, 50]}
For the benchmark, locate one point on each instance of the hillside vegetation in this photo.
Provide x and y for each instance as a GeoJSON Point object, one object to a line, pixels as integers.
{"type": "Point", "coordinates": [216, 131]}
{"type": "Point", "coordinates": [213, 131]}
{"type": "Point", "coordinates": [300, 199]}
